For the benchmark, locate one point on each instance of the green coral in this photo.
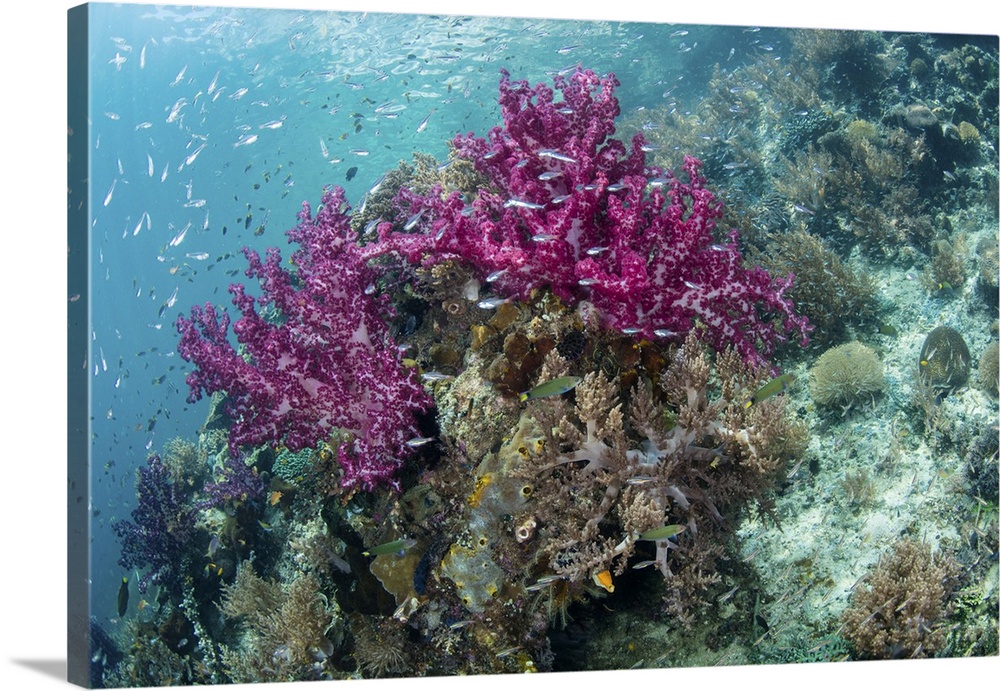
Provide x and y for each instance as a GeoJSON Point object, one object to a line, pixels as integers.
{"type": "Point", "coordinates": [293, 466]}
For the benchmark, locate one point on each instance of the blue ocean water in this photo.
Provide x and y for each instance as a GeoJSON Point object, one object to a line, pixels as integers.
{"type": "Point", "coordinates": [211, 126]}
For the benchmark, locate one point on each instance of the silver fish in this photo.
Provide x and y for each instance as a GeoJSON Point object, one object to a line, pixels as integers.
{"type": "Point", "coordinates": [522, 204]}
{"type": "Point", "coordinates": [555, 155]}
{"type": "Point", "coordinates": [413, 220]}
{"type": "Point", "coordinates": [492, 303]}
{"type": "Point", "coordinates": [436, 376]}
{"type": "Point", "coordinates": [194, 154]}
{"type": "Point", "coordinates": [111, 191]}
{"type": "Point", "coordinates": [179, 77]}
{"type": "Point", "coordinates": [423, 123]}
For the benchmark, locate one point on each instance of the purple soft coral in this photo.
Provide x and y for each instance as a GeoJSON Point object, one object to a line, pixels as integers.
{"type": "Point", "coordinates": [577, 212]}
{"type": "Point", "coordinates": [162, 525]}
{"type": "Point", "coordinates": [326, 361]}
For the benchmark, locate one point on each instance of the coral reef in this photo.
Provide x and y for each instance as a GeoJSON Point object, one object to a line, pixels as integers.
{"type": "Point", "coordinates": [574, 211]}
{"type": "Point", "coordinates": [389, 482]}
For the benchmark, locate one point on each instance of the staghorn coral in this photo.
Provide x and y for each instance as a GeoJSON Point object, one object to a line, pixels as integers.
{"type": "Point", "coordinates": [902, 607]}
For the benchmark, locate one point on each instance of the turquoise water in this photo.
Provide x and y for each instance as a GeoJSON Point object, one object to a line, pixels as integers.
{"type": "Point", "coordinates": [210, 127]}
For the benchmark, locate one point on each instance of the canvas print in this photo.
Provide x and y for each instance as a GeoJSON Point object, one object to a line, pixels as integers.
{"type": "Point", "coordinates": [410, 345]}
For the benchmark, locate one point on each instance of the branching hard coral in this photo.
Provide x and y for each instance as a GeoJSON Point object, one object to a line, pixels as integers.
{"type": "Point", "coordinates": [286, 625]}
{"type": "Point", "coordinates": [828, 291]}
{"type": "Point", "coordinates": [607, 477]}
{"type": "Point", "coordinates": [902, 606]}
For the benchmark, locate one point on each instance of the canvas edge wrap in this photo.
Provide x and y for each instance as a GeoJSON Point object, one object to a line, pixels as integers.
{"type": "Point", "coordinates": [78, 384]}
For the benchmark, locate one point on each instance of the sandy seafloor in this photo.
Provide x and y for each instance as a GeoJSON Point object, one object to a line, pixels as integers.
{"type": "Point", "coordinates": [914, 479]}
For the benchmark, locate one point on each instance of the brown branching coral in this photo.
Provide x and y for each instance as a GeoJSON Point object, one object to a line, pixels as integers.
{"type": "Point", "coordinates": [688, 453]}
{"type": "Point", "coordinates": [286, 637]}
{"type": "Point", "coordinates": [826, 290]}
{"type": "Point", "coordinates": [379, 646]}
{"type": "Point", "coordinates": [902, 607]}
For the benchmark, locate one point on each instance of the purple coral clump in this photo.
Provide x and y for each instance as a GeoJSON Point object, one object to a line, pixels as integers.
{"type": "Point", "coordinates": [323, 361]}
{"type": "Point", "coordinates": [571, 209]}
{"type": "Point", "coordinates": [162, 526]}
{"type": "Point", "coordinates": [236, 482]}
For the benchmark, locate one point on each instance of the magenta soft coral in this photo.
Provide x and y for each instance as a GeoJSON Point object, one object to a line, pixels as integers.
{"type": "Point", "coordinates": [324, 361]}
{"type": "Point", "coordinates": [573, 210]}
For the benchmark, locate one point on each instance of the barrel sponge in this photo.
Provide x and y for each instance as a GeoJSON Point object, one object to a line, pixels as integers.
{"type": "Point", "coordinates": [846, 375]}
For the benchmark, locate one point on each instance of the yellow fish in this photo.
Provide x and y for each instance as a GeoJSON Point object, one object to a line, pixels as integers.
{"type": "Point", "coordinates": [603, 579]}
